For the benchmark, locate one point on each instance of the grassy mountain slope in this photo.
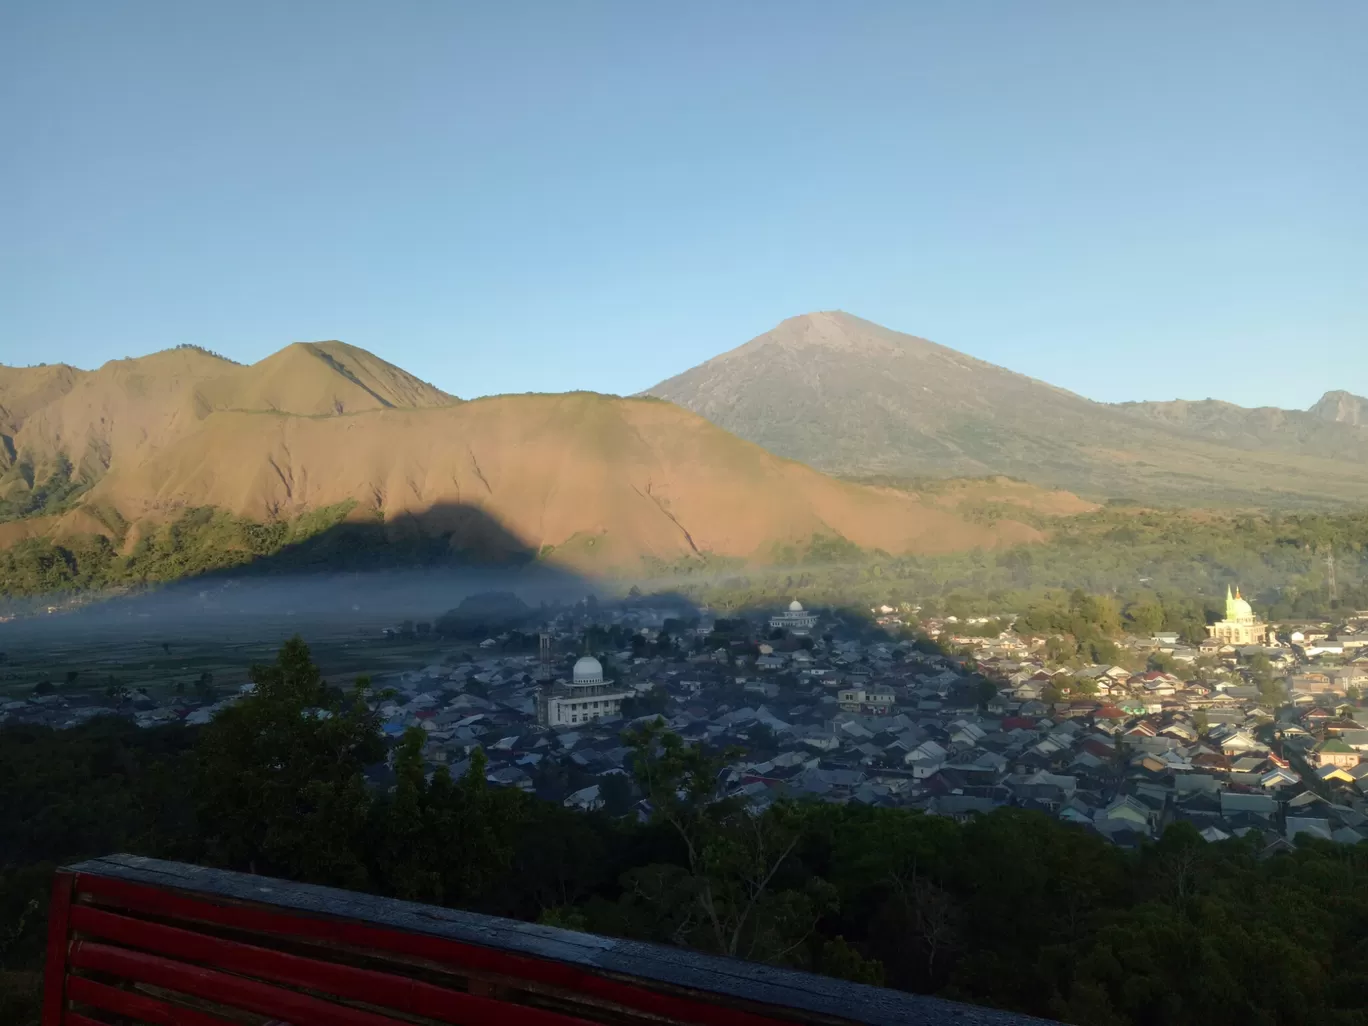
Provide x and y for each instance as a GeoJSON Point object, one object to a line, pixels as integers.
{"type": "Point", "coordinates": [141, 452]}
{"type": "Point", "coordinates": [120, 414]}
{"type": "Point", "coordinates": [852, 397]}
{"type": "Point", "coordinates": [593, 481]}
{"type": "Point", "coordinates": [24, 390]}
{"type": "Point", "coordinates": [1319, 431]}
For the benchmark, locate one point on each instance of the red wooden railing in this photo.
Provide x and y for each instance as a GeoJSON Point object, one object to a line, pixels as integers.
{"type": "Point", "coordinates": [135, 940]}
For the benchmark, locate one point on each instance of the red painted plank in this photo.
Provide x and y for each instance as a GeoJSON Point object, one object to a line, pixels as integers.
{"type": "Point", "coordinates": [401, 993]}
{"type": "Point", "coordinates": [54, 968]}
{"type": "Point", "coordinates": [139, 1006]}
{"type": "Point", "coordinates": [77, 1019]}
{"type": "Point", "coordinates": [232, 991]}
{"type": "Point", "coordinates": [458, 955]}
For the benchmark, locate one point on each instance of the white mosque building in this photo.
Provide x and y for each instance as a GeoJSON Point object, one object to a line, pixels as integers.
{"type": "Point", "coordinates": [795, 620]}
{"type": "Point", "coordinates": [588, 697]}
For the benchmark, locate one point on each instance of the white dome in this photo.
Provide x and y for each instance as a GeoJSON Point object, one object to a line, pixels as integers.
{"type": "Point", "coordinates": [795, 606]}
{"type": "Point", "coordinates": [588, 671]}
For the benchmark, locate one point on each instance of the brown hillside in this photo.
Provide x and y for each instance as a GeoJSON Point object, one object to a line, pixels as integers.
{"type": "Point", "coordinates": [24, 390]}
{"type": "Point", "coordinates": [120, 414]}
{"type": "Point", "coordinates": [593, 481]}
{"type": "Point", "coordinates": [320, 379]}
{"type": "Point", "coordinates": [966, 494]}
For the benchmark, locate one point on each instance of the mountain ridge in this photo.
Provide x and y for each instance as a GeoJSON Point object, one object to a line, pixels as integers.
{"type": "Point", "coordinates": [849, 396]}
{"type": "Point", "coordinates": [1341, 407]}
{"type": "Point", "coordinates": [585, 480]}
{"type": "Point", "coordinates": [95, 418]}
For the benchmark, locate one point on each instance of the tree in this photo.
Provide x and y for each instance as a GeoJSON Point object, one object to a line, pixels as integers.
{"type": "Point", "coordinates": [1260, 668]}
{"type": "Point", "coordinates": [838, 958]}
{"type": "Point", "coordinates": [1162, 662]}
{"type": "Point", "coordinates": [761, 736]}
{"type": "Point", "coordinates": [723, 898]}
{"type": "Point", "coordinates": [407, 859]}
{"type": "Point", "coordinates": [280, 786]}
{"type": "Point", "coordinates": [616, 791]}
{"type": "Point", "coordinates": [1145, 618]}
{"type": "Point", "coordinates": [984, 691]}
{"type": "Point", "coordinates": [932, 913]}
{"type": "Point", "coordinates": [1061, 649]}
{"type": "Point", "coordinates": [1272, 692]}
{"type": "Point", "coordinates": [479, 832]}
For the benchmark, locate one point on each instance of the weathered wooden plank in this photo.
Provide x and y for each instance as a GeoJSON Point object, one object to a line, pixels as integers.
{"type": "Point", "coordinates": [54, 968]}
{"type": "Point", "coordinates": [224, 988]}
{"type": "Point", "coordinates": [582, 962]}
{"type": "Point", "coordinates": [139, 1006]}
{"type": "Point", "coordinates": [511, 973]}
{"type": "Point", "coordinates": [362, 985]}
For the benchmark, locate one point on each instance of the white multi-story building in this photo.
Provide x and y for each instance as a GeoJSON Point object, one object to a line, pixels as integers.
{"type": "Point", "coordinates": [588, 697]}
{"type": "Point", "coordinates": [796, 620]}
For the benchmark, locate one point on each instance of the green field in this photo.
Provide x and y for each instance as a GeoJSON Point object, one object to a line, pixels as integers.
{"type": "Point", "coordinates": [37, 651]}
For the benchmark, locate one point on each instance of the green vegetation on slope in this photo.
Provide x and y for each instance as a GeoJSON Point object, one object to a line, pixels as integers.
{"type": "Point", "coordinates": [1011, 909]}
{"type": "Point", "coordinates": [198, 541]}
{"type": "Point", "coordinates": [1280, 561]}
{"type": "Point", "coordinates": [1179, 560]}
{"type": "Point", "coordinates": [29, 497]}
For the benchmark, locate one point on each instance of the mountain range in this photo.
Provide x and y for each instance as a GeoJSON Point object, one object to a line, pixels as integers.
{"type": "Point", "coordinates": [737, 465]}
{"type": "Point", "coordinates": [848, 396]}
{"type": "Point", "coordinates": [586, 480]}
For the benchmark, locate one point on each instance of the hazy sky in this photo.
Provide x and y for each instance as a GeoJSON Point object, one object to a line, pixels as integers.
{"type": "Point", "coordinates": [1145, 200]}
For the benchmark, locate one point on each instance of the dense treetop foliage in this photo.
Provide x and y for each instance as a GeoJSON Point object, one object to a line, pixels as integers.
{"type": "Point", "coordinates": [1011, 909]}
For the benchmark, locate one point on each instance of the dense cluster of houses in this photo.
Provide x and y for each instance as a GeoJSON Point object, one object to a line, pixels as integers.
{"type": "Point", "coordinates": [836, 714]}
{"type": "Point", "coordinates": [842, 712]}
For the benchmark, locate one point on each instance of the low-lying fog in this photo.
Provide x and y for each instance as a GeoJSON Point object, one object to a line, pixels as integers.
{"type": "Point", "coordinates": [266, 606]}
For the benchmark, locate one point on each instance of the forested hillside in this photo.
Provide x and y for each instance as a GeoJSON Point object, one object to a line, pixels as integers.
{"type": "Point", "coordinates": [1132, 554]}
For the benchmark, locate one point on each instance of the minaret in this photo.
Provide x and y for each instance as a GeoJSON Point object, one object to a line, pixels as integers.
{"type": "Point", "coordinates": [544, 653]}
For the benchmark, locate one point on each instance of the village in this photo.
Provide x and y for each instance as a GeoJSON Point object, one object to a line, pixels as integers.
{"type": "Point", "coordinates": [1252, 730]}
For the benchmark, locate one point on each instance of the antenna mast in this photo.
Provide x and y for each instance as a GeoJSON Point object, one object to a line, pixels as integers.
{"type": "Point", "coordinates": [1331, 586]}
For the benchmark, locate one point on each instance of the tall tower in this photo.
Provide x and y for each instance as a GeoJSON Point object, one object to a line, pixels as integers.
{"type": "Point", "coordinates": [544, 655]}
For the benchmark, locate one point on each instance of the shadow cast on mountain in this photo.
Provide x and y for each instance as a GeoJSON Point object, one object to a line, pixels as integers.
{"type": "Point", "coordinates": [416, 565]}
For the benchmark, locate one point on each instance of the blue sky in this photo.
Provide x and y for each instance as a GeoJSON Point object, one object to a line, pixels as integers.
{"type": "Point", "coordinates": [1150, 200]}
